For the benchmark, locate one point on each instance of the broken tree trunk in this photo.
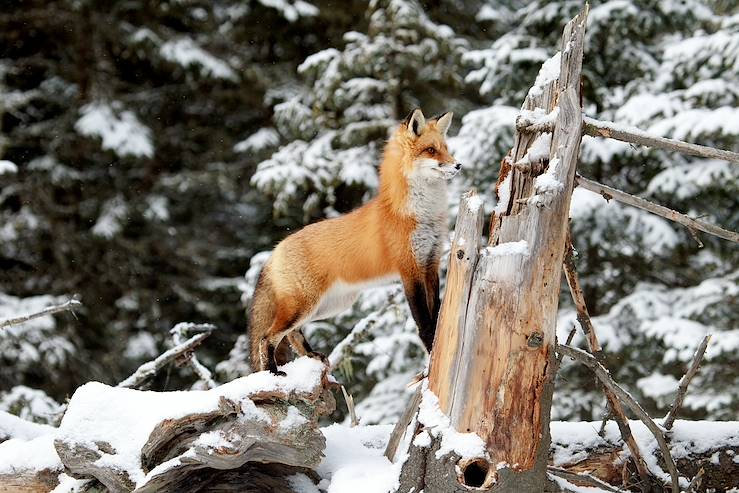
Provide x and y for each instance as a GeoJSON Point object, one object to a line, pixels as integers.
{"type": "Point", "coordinates": [492, 361]}
{"type": "Point", "coordinates": [253, 432]}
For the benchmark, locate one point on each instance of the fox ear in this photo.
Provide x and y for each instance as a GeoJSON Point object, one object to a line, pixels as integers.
{"type": "Point", "coordinates": [444, 122]}
{"type": "Point", "coordinates": [415, 122]}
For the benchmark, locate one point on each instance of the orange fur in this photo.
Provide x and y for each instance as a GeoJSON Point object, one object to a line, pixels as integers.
{"type": "Point", "coordinates": [371, 242]}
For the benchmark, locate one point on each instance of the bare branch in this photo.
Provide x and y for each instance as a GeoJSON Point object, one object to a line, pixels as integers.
{"type": "Point", "coordinates": [583, 317]}
{"type": "Point", "coordinates": [584, 478]}
{"type": "Point", "coordinates": [179, 332]}
{"type": "Point", "coordinates": [660, 210]}
{"type": "Point", "coordinates": [148, 370]}
{"type": "Point", "coordinates": [605, 377]}
{"type": "Point", "coordinates": [684, 382]}
{"type": "Point", "coordinates": [599, 128]}
{"type": "Point", "coordinates": [68, 305]}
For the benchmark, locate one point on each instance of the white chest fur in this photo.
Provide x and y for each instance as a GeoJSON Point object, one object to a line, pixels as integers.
{"type": "Point", "coordinates": [427, 201]}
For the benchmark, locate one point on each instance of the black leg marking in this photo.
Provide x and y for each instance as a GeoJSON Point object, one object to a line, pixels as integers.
{"type": "Point", "coordinates": [415, 293]}
{"type": "Point", "coordinates": [271, 363]}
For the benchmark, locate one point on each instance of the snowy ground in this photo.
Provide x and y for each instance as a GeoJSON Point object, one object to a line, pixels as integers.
{"type": "Point", "coordinates": [353, 461]}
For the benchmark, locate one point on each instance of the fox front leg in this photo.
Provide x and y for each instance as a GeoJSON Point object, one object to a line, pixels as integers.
{"type": "Point", "coordinates": [421, 298]}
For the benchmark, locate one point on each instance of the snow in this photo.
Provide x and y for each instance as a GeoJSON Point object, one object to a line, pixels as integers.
{"type": "Point", "coordinates": [187, 53]}
{"type": "Point", "coordinates": [354, 460]}
{"type": "Point", "coordinates": [658, 386]}
{"type": "Point", "coordinates": [437, 424]}
{"type": "Point", "coordinates": [548, 72]}
{"type": "Point", "coordinates": [520, 247]}
{"type": "Point", "coordinates": [12, 426]}
{"type": "Point", "coordinates": [7, 167]}
{"type": "Point", "coordinates": [110, 222]}
{"type": "Point", "coordinates": [125, 418]}
{"type": "Point", "coordinates": [474, 203]}
{"type": "Point", "coordinates": [292, 10]}
{"type": "Point", "coordinates": [17, 455]}
{"type": "Point", "coordinates": [262, 139]}
{"type": "Point", "coordinates": [504, 195]}
{"type": "Point", "coordinates": [119, 129]}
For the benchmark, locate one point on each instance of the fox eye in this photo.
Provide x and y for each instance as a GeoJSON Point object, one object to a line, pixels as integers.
{"type": "Point", "coordinates": [430, 150]}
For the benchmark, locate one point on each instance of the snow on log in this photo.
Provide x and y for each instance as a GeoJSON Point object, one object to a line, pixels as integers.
{"type": "Point", "coordinates": [141, 441]}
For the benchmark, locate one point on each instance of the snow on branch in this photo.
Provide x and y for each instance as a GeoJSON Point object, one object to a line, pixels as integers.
{"type": "Point", "coordinates": [68, 305]}
{"type": "Point", "coordinates": [660, 210]}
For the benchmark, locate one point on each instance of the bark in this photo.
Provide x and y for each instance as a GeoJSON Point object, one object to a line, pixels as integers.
{"type": "Point", "coordinates": [493, 357]}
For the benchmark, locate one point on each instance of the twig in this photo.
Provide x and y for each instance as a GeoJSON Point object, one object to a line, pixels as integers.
{"type": "Point", "coordinates": [570, 336]}
{"type": "Point", "coordinates": [70, 305]}
{"type": "Point", "coordinates": [349, 399]}
{"type": "Point", "coordinates": [660, 210]}
{"type": "Point", "coordinates": [616, 409]}
{"type": "Point", "coordinates": [148, 370]}
{"type": "Point", "coordinates": [684, 382]}
{"type": "Point", "coordinates": [402, 424]}
{"type": "Point", "coordinates": [606, 416]}
{"type": "Point", "coordinates": [603, 375]}
{"type": "Point", "coordinates": [599, 128]}
{"type": "Point", "coordinates": [178, 336]}
{"type": "Point", "coordinates": [583, 477]}
{"type": "Point", "coordinates": [695, 483]}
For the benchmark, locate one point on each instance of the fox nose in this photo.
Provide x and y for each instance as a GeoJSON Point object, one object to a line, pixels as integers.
{"type": "Point", "coordinates": [458, 165]}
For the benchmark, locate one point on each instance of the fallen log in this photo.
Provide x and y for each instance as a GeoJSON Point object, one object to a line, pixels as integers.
{"type": "Point", "coordinates": [713, 446]}
{"type": "Point", "coordinates": [258, 429]}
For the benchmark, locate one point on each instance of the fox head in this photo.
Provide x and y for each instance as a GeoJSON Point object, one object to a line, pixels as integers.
{"type": "Point", "coordinates": [424, 146]}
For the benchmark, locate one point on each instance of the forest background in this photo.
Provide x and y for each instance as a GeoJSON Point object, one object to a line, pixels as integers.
{"type": "Point", "coordinates": [152, 153]}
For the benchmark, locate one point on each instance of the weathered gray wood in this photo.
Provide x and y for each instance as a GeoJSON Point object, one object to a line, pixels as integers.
{"type": "Point", "coordinates": [29, 482]}
{"type": "Point", "coordinates": [450, 340]}
{"type": "Point", "coordinates": [242, 435]}
{"type": "Point", "coordinates": [599, 128]}
{"type": "Point", "coordinates": [660, 210]}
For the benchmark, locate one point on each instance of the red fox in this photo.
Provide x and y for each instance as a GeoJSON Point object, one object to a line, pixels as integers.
{"type": "Point", "coordinates": [319, 271]}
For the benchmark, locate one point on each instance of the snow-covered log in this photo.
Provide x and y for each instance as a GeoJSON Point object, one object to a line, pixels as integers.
{"type": "Point", "coordinates": [490, 392]}
{"type": "Point", "coordinates": [260, 430]}
{"type": "Point", "coordinates": [711, 445]}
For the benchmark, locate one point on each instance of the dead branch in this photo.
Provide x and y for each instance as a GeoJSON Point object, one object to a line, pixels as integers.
{"type": "Point", "coordinates": [402, 424]}
{"type": "Point", "coordinates": [148, 370]}
{"type": "Point", "coordinates": [632, 135]}
{"type": "Point", "coordinates": [583, 317]}
{"type": "Point", "coordinates": [605, 377]}
{"type": "Point", "coordinates": [684, 382]}
{"type": "Point", "coordinates": [695, 483]}
{"type": "Point", "coordinates": [582, 477]}
{"type": "Point", "coordinates": [660, 210]}
{"type": "Point", "coordinates": [68, 305]}
{"type": "Point", "coordinates": [349, 399]}
{"type": "Point", "coordinates": [179, 332]}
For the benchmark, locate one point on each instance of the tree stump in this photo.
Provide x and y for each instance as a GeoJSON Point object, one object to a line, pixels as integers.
{"type": "Point", "coordinates": [491, 366]}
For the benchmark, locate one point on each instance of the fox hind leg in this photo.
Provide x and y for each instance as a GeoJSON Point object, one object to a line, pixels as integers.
{"type": "Point", "coordinates": [300, 345]}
